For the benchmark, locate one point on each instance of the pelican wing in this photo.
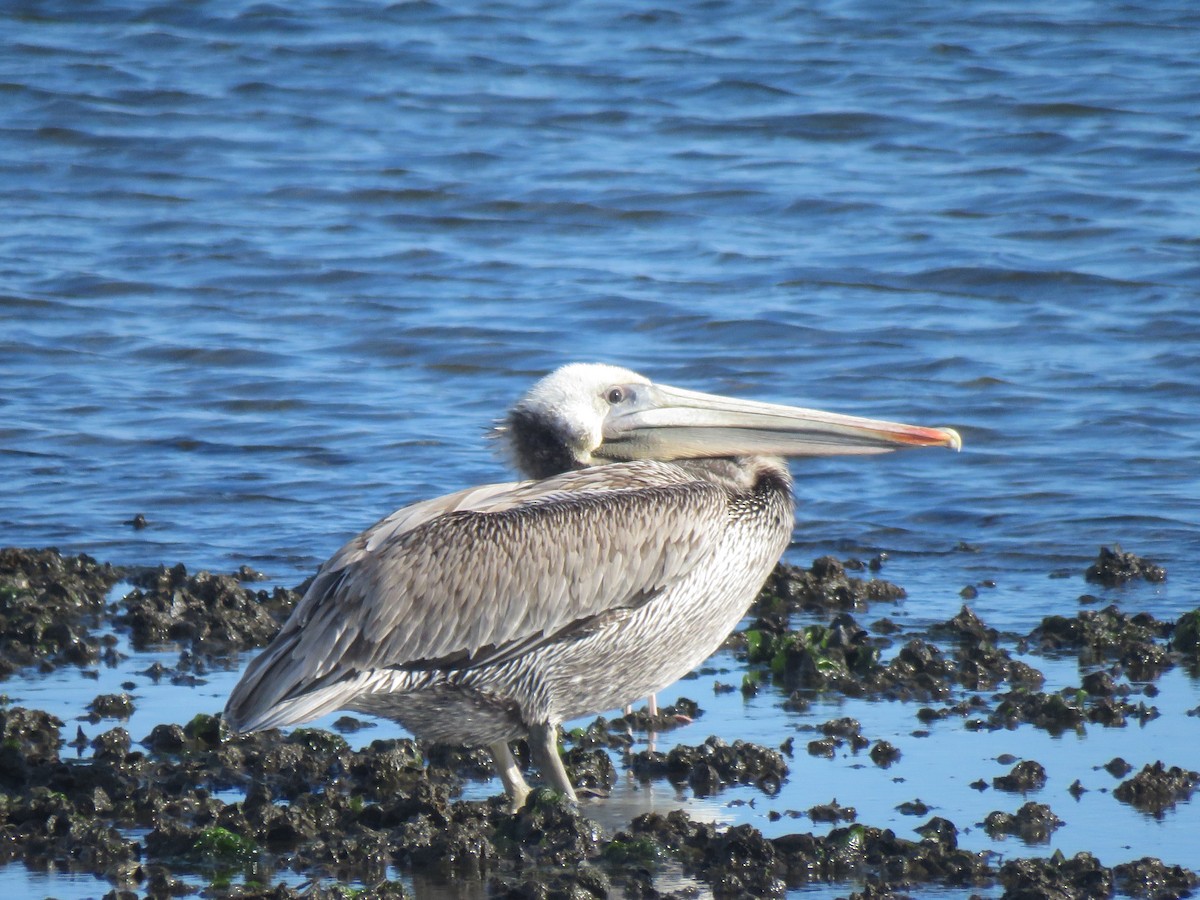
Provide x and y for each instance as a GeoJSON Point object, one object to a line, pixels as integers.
{"type": "Point", "coordinates": [474, 576]}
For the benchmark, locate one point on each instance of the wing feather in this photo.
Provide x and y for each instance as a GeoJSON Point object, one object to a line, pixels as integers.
{"type": "Point", "coordinates": [472, 575]}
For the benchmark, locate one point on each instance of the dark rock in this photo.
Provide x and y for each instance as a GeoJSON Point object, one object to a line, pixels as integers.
{"type": "Point", "coordinates": [1099, 684]}
{"type": "Point", "coordinates": [1108, 635]}
{"type": "Point", "coordinates": [550, 829]}
{"type": "Point", "coordinates": [1148, 877]}
{"type": "Point", "coordinates": [982, 666]}
{"type": "Point", "coordinates": [940, 831]}
{"type": "Point", "coordinates": [1025, 776]}
{"type": "Point", "coordinates": [683, 711]}
{"type": "Point", "coordinates": [919, 658]}
{"type": "Point", "coordinates": [48, 603]}
{"type": "Point", "coordinates": [713, 764]}
{"type": "Point", "coordinates": [246, 573]}
{"type": "Point", "coordinates": [798, 702]}
{"type": "Point", "coordinates": [1115, 566]}
{"type": "Point", "coordinates": [112, 706]}
{"type": "Point", "coordinates": [201, 802]}
{"type": "Point", "coordinates": [29, 741]}
{"type": "Point", "coordinates": [616, 735]}
{"type": "Point", "coordinates": [823, 586]}
{"type": "Point", "coordinates": [1033, 823]}
{"type": "Point", "coordinates": [1185, 637]}
{"type": "Point", "coordinates": [843, 657]}
{"type": "Point", "coordinates": [736, 862]}
{"type": "Point", "coordinates": [590, 769]}
{"type": "Point", "coordinates": [205, 731]}
{"type": "Point", "coordinates": [742, 864]}
{"type": "Point", "coordinates": [967, 627]}
{"type": "Point", "coordinates": [166, 739]}
{"type": "Point", "coordinates": [205, 612]}
{"type": "Point", "coordinates": [471, 761]}
{"type": "Point", "coordinates": [1117, 767]}
{"type": "Point", "coordinates": [884, 754]}
{"type": "Point", "coordinates": [1157, 788]}
{"type": "Point", "coordinates": [832, 812]}
{"type": "Point", "coordinates": [1052, 712]}
{"type": "Point", "coordinates": [1068, 710]}
{"type": "Point", "coordinates": [1080, 877]}
{"type": "Point", "coordinates": [81, 740]}
{"type": "Point", "coordinates": [582, 884]}
{"type": "Point", "coordinates": [845, 727]}
{"type": "Point", "coordinates": [885, 626]}
{"type": "Point", "coordinates": [112, 745]}
{"type": "Point", "coordinates": [825, 747]}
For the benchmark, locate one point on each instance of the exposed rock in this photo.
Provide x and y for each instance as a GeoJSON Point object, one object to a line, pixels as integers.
{"type": "Point", "coordinates": [1157, 788]}
{"type": "Point", "coordinates": [884, 754]}
{"type": "Point", "coordinates": [1108, 635]}
{"type": "Point", "coordinates": [1033, 823]}
{"type": "Point", "coordinates": [48, 604]}
{"type": "Point", "coordinates": [1185, 636]}
{"type": "Point", "coordinates": [213, 612]}
{"type": "Point", "coordinates": [1080, 877]}
{"type": "Point", "coordinates": [825, 585]}
{"type": "Point", "coordinates": [111, 706]}
{"type": "Point", "coordinates": [714, 764]}
{"type": "Point", "coordinates": [1148, 877]}
{"type": "Point", "coordinates": [307, 802]}
{"type": "Point", "coordinates": [1117, 767]}
{"type": "Point", "coordinates": [1115, 566]}
{"type": "Point", "coordinates": [832, 812]}
{"type": "Point", "coordinates": [1028, 775]}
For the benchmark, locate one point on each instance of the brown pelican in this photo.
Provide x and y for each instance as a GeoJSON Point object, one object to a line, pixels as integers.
{"type": "Point", "coordinates": [652, 517]}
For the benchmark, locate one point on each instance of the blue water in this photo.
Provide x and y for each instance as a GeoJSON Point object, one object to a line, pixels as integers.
{"type": "Point", "coordinates": [268, 272]}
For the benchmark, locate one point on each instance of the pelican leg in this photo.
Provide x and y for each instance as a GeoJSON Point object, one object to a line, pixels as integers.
{"type": "Point", "coordinates": [652, 712]}
{"type": "Point", "coordinates": [510, 774]}
{"type": "Point", "coordinates": [651, 707]}
{"type": "Point", "coordinates": [543, 744]}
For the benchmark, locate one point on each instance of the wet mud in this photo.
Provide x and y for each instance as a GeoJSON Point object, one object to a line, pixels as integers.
{"type": "Point", "coordinates": [190, 810]}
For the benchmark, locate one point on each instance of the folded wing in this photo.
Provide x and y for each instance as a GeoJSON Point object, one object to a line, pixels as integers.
{"type": "Point", "coordinates": [479, 575]}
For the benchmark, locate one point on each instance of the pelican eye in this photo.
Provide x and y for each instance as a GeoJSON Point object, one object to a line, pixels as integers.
{"type": "Point", "coordinates": [615, 395]}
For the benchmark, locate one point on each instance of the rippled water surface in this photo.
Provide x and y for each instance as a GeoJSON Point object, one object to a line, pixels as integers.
{"type": "Point", "coordinates": [268, 272]}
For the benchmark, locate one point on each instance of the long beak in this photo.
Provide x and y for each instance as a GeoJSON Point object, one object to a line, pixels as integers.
{"type": "Point", "coordinates": [671, 423]}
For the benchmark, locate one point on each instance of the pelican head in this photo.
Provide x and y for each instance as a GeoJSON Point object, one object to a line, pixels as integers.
{"type": "Point", "coordinates": [586, 414]}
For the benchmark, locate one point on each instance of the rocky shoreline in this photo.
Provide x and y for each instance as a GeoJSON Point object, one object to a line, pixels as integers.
{"type": "Point", "coordinates": [188, 810]}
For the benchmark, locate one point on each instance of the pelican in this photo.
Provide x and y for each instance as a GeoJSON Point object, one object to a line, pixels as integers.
{"type": "Point", "coordinates": [651, 518]}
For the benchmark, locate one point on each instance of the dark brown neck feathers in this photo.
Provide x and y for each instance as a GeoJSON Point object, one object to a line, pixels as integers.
{"type": "Point", "coordinates": [539, 449]}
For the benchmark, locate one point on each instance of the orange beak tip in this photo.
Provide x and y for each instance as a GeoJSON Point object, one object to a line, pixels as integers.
{"type": "Point", "coordinates": [953, 439]}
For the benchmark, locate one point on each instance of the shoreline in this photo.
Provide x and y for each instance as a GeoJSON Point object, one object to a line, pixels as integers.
{"type": "Point", "coordinates": [188, 810]}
